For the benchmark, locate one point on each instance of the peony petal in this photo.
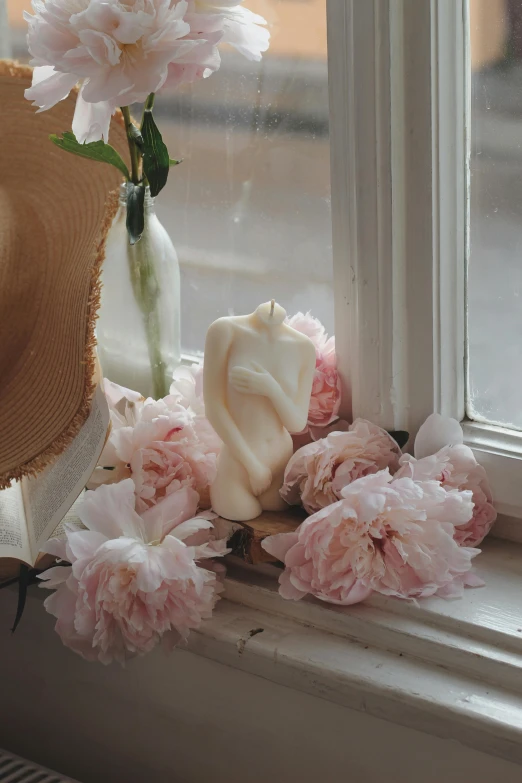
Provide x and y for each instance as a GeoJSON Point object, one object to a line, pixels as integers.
{"type": "Point", "coordinates": [49, 87]}
{"type": "Point", "coordinates": [436, 433]}
{"type": "Point", "coordinates": [54, 577]}
{"type": "Point", "coordinates": [340, 425]}
{"type": "Point", "coordinates": [56, 547]}
{"type": "Point", "coordinates": [216, 548]}
{"type": "Point", "coordinates": [472, 579]}
{"type": "Point", "coordinates": [91, 121]}
{"type": "Point", "coordinates": [84, 543]}
{"type": "Point", "coordinates": [163, 518]}
{"type": "Point", "coordinates": [359, 592]}
{"type": "Point", "coordinates": [354, 595]}
{"type": "Point", "coordinates": [110, 510]}
{"type": "Point", "coordinates": [245, 33]}
{"type": "Point", "coordinates": [115, 393]}
{"type": "Point", "coordinates": [287, 589]}
{"type": "Point", "coordinates": [61, 603]}
{"type": "Point", "coordinates": [279, 544]}
{"type": "Point", "coordinates": [189, 527]}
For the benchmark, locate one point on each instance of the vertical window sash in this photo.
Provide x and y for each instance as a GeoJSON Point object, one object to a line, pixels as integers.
{"type": "Point", "coordinates": [397, 74]}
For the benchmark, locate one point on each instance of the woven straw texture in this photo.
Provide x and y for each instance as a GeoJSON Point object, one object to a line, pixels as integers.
{"type": "Point", "coordinates": [55, 211]}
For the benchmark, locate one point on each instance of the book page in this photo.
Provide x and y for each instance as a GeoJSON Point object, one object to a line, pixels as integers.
{"type": "Point", "coordinates": [14, 540]}
{"type": "Point", "coordinates": [49, 495]}
{"type": "Point", "coordinates": [71, 519]}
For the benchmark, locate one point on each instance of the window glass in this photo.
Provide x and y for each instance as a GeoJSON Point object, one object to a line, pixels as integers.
{"type": "Point", "coordinates": [495, 265]}
{"type": "Point", "coordinates": [249, 208]}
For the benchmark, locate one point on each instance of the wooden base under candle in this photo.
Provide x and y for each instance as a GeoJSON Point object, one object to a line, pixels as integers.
{"type": "Point", "coordinates": [246, 543]}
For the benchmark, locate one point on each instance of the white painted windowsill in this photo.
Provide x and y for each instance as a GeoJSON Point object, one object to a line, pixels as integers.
{"type": "Point", "coordinates": [450, 668]}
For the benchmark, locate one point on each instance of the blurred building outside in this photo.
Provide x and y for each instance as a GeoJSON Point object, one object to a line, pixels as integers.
{"type": "Point", "coordinates": [495, 265]}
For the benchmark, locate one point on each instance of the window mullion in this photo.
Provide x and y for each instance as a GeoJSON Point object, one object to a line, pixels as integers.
{"type": "Point", "coordinates": [450, 177]}
{"type": "Point", "coordinates": [359, 81]}
{"type": "Point", "coordinates": [399, 198]}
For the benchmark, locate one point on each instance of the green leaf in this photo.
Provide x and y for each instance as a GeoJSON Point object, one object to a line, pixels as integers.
{"type": "Point", "coordinates": [401, 437]}
{"type": "Point", "coordinates": [95, 150]}
{"type": "Point", "coordinates": [135, 211]}
{"type": "Point", "coordinates": [173, 162]}
{"type": "Point", "coordinates": [156, 159]}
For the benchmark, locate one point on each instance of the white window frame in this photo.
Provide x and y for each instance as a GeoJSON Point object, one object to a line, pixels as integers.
{"type": "Point", "coordinates": [398, 111]}
{"type": "Point", "coordinates": [395, 149]}
{"type": "Point", "coordinates": [399, 146]}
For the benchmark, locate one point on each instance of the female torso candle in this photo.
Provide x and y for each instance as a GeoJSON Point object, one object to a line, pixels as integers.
{"type": "Point", "coordinates": [258, 375]}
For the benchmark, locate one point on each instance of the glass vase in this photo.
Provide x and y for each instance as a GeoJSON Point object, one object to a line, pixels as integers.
{"type": "Point", "coordinates": [138, 329]}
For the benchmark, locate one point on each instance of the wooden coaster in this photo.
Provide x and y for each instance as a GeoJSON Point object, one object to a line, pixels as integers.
{"type": "Point", "coordinates": [246, 543]}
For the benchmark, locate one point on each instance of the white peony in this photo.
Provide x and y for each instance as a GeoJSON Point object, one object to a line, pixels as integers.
{"type": "Point", "coordinates": [122, 52]}
{"type": "Point", "coordinates": [242, 29]}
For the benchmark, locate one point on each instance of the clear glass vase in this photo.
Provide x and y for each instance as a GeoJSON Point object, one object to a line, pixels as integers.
{"type": "Point", "coordinates": [138, 329]}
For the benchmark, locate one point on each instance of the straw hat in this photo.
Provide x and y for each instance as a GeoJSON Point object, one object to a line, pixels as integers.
{"type": "Point", "coordinates": [53, 224]}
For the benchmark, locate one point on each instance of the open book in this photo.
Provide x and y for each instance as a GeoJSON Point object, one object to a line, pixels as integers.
{"type": "Point", "coordinates": [33, 509]}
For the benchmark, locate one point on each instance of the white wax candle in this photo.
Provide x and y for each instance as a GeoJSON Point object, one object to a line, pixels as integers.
{"type": "Point", "coordinates": [258, 375]}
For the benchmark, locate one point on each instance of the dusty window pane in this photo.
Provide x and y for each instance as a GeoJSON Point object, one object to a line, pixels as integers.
{"type": "Point", "coordinates": [249, 208]}
{"type": "Point", "coordinates": [495, 267]}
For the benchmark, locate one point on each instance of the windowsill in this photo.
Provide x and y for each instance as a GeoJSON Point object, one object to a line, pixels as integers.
{"type": "Point", "coordinates": [449, 668]}
{"type": "Point", "coordinates": [499, 451]}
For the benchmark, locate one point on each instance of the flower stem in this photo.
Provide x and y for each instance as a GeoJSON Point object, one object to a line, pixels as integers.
{"type": "Point", "coordinates": [146, 292]}
{"type": "Point", "coordinates": [143, 273]}
{"type": "Point", "coordinates": [160, 387]}
{"type": "Point", "coordinates": [133, 150]}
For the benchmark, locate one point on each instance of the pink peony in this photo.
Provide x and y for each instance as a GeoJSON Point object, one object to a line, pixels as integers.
{"type": "Point", "coordinates": [121, 52]}
{"type": "Point", "coordinates": [134, 579]}
{"type": "Point", "coordinates": [207, 30]}
{"type": "Point", "coordinates": [157, 420]}
{"type": "Point", "coordinates": [394, 537]}
{"type": "Point", "coordinates": [326, 390]}
{"type": "Point", "coordinates": [455, 467]}
{"type": "Point", "coordinates": [187, 389]}
{"type": "Point", "coordinates": [312, 327]}
{"type": "Point", "coordinates": [164, 452]}
{"type": "Point", "coordinates": [124, 407]}
{"type": "Point", "coordinates": [162, 445]}
{"type": "Point", "coordinates": [441, 456]}
{"type": "Point", "coordinates": [165, 466]}
{"type": "Point", "coordinates": [436, 432]}
{"type": "Point", "coordinates": [317, 473]}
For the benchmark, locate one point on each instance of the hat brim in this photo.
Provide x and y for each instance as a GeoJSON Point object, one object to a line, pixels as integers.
{"type": "Point", "coordinates": [55, 213]}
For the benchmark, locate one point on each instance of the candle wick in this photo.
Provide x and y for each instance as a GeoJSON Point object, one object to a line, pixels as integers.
{"type": "Point", "coordinates": [272, 305]}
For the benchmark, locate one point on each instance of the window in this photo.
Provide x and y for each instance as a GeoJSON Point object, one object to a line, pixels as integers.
{"type": "Point", "coordinates": [495, 268]}
{"type": "Point", "coordinates": [255, 177]}
{"type": "Point", "coordinates": [383, 265]}
{"type": "Point", "coordinates": [494, 276]}
{"type": "Point", "coordinates": [399, 129]}
{"type": "Point", "coordinates": [248, 211]}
